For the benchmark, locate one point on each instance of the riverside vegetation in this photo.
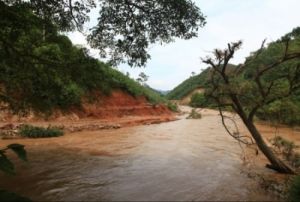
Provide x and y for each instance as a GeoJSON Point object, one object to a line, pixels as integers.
{"type": "Point", "coordinates": [41, 70]}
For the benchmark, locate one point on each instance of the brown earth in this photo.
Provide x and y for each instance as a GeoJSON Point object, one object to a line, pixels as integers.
{"type": "Point", "coordinates": [187, 99]}
{"type": "Point", "coordinates": [255, 162]}
{"type": "Point", "coordinates": [114, 111]}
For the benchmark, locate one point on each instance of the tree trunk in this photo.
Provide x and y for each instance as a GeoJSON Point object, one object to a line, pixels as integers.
{"type": "Point", "coordinates": [276, 163]}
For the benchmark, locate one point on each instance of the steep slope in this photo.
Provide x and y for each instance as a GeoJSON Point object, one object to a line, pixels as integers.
{"type": "Point", "coordinates": [188, 86]}
{"type": "Point", "coordinates": [195, 82]}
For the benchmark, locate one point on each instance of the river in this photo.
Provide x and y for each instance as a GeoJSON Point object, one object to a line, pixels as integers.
{"type": "Point", "coordinates": [184, 160]}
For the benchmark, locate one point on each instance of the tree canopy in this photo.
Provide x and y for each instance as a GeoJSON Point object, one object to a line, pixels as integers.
{"type": "Point", "coordinates": [269, 75]}
{"type": "Point", "coordinates": [125, 28]}
{"type": "Point", "coordinates": [41, 69]}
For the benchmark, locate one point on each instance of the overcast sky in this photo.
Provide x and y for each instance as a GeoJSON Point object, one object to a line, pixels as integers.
{"type": "Point", "coordinates": [227, 21]}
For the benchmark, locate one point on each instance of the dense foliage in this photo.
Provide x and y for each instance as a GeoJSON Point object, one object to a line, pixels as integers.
{"type": "Point", "coordinates": [280, 85]}
{"type": "Point", "coordinates": [192, 83]}
{"type": "Point", "coordinates": [188, 86]}
{"type": "Point", "coordinates": [121, 81]}
{"type": "Point", "coordinates": [173, 107]}
{"type": "Point", "coordinates": [269, 75]}
{"type": "Point", "coordinates": [40, 132]}
{"type": "Point", "coordinates": [285, 109]}
{"type": "Point", "coordinates": [125, 29]}
{"type": "Point", "coordinates": [199, 100]}
{"type": "Point", "coordinates": [42, 70]}
{"type": "Point", "coordinates": [294, 191]}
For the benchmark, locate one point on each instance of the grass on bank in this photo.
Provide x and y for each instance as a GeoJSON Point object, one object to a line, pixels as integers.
{"type": "Point", "coordinates": [40, 132]}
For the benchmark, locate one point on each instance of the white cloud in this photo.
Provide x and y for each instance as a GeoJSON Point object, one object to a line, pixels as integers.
{"type": "Point", "coordinates": [227, 21]}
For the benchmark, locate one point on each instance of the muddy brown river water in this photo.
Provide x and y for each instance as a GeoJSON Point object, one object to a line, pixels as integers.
{"type": "Point", "coordinates": [184, 160]}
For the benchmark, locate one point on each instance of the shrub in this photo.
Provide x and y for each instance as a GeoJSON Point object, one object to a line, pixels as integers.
{"type": "Point", "coordinates": [39, 132]}
{"type": "Point", "coordinates": [287, 149]}
{"type": "Point", "coordinates": [197, 100]}
{"type": "Point", "coordinates": [286, 111]}
{"type": "Point", "coordinates": [200, 100]}
{"type": "Point", "coordinates": [173, 107]}
{"type": "Point", "coordinates": [294, 191]}
{"type": "Point", "coordinates": [194, 115]}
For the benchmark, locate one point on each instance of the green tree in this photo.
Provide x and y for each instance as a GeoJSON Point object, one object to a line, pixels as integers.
{"type": "Point", "coordinates": [270, 74]}
{"type": "Point", "coordinates": [125, 28]}
{"type": "Point", "coordinates": [198, 100]}
{"type": "Point", "coordinates": [143, 78]}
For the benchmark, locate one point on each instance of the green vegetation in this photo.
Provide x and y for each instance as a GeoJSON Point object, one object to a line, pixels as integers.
{"type": "Point", "coordinates": [123, 33]}
{"type": "Point", "coordinates": [192, 83]}
{"type": "Point", "coordinates": [118, 80]}
{"type": "Point", "coordinates": [280, 84]}
{"type": "Point", "coordinates": [199, 100]}
{"type": "Point", "coordinates": [42, 70]}
{"type": "Point", "coordinates": [268, 75]}
{"type": "Point", "coordinates": [39, 132]}
{"type": "Point", "coordinates": [287, 149]}
{"type": "Point", "coordinates": [188, 86]}
{"type": "Point", "coordinates": [285, 110]}
{"type": "Point", "coordinates": [294, 191]}
{"type": "Point", "coordinates": [173, 107]}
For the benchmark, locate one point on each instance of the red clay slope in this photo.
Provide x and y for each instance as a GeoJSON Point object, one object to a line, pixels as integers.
{"type": "Point", "coordinates": [120, 104]}
{"type": "Point", "coordinates": [117, 108]}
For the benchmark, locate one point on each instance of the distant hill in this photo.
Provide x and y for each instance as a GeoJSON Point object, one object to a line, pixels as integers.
{"type": "Point", "coordinates": [160, 92]}
{"type": "Point", "coordinates": [190, 84]}
{"type": "Point", "coordinates": [163, 92]}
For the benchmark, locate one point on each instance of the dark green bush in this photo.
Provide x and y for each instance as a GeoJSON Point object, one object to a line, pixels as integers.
{"type": "Point", "coordinates": [198, 100]}
{"type": "Point", "coordinates": [286, 111]}
{"type": "Point", "coordinates": [39, 132]}
{"type": "Point", "coordinates": [294, 191]}
{"type": "Point", "coordinates": [173, 107]}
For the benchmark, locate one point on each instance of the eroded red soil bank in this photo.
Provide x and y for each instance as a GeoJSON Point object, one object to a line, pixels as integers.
{"type": "Point", "coordinates": [116, 110]}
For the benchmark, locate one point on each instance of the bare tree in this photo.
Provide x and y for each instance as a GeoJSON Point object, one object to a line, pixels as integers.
{"type": "Point", "coordinates": [228, 87]}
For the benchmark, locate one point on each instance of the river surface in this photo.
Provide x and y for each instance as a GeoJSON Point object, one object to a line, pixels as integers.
{"type": "Point", "coordinates": [184, 160]}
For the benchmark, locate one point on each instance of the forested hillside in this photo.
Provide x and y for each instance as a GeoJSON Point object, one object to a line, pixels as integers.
{"type": "Point", "coordinates": [42, 70]}
{"type": "Point", "coordinates": [191, 84]}
{"type": "Point", "coordinates": [280, 84]}
{"type": "Point", "coordinates": [188, 85]}
{"type": "Point", "coordinates": [284, 110]}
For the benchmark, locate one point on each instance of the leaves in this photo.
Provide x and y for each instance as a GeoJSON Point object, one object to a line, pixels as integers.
{"type": "Point", "coordinates": [126, 29]}
{"type": "Point", "coordinates": [19, 150]}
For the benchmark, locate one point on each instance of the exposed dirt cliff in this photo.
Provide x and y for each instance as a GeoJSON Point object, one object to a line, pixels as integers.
{"type": "Point", "coordinates": [117, 109]}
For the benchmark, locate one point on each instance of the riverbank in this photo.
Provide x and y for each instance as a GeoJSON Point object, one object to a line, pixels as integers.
{"type": "Point", "coordinates": [117, 110]}
{"type": "Point", "coordinates": [183, 160]}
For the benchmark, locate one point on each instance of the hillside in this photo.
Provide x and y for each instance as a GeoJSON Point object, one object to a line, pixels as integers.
{"type": "Point", "coordinates": [52, 74]}
{"type": "Point", "coordinates": [188, 86]}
